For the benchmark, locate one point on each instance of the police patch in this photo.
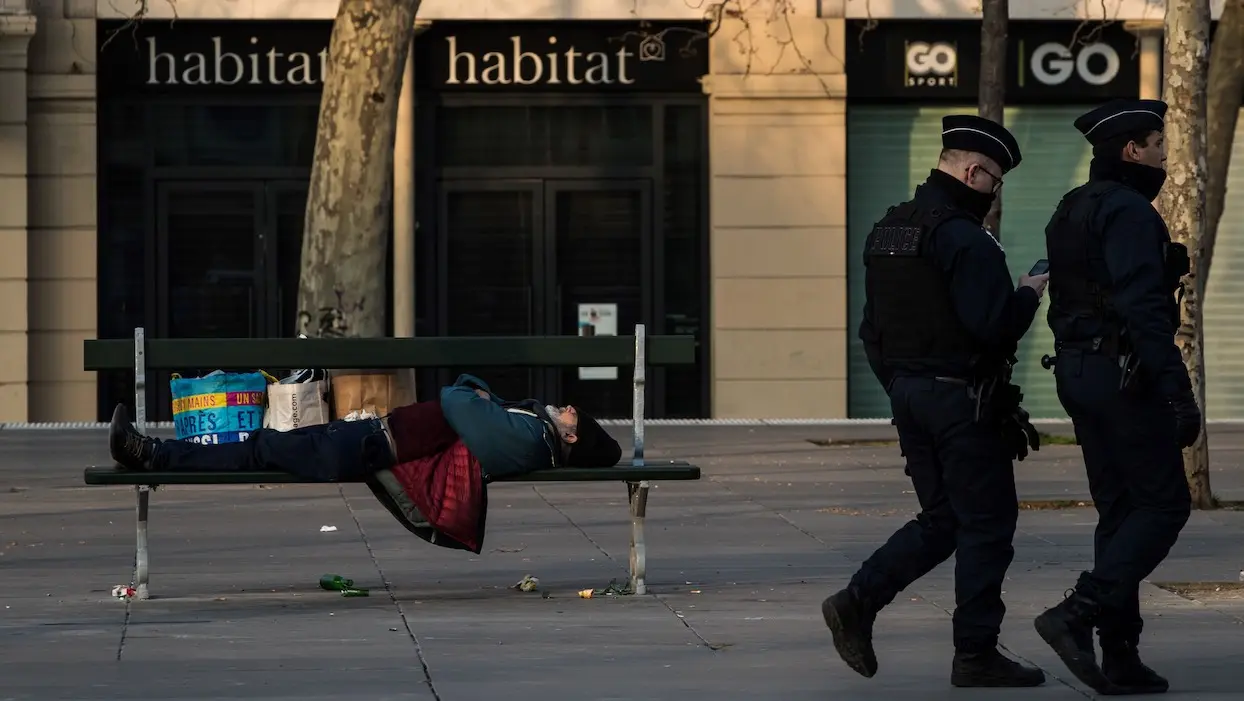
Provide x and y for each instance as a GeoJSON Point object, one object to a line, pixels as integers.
{"type": "Point", "coordinates": [894, 241]}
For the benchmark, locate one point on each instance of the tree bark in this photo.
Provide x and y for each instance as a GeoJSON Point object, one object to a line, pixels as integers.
{"type": "Point", "coordinates": [341, 290]}
{"type": "Point", "coordinates": [992, 91]}
{"type": "Point", "coordinates": [1225, 92]}
{"type": "Point", "coordinates": [1182, 201]}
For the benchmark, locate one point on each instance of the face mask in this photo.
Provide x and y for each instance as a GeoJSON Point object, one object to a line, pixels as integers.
{"type": "Point", "coordinates": [1146, 179]}
{"type": "Point", "coordinates": [978, 203]}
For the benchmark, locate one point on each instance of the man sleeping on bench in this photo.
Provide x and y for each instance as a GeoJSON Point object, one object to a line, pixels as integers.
{"type": "Point", "coordinates": [428, 463]}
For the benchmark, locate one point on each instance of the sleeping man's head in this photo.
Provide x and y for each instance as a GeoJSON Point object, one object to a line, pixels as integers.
{"type": "Point", "coordinates": [584, 442]}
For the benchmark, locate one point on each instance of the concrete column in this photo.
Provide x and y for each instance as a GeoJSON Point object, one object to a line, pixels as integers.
{"type": "Point", "coordinates": [63, 296]}
{"type": "Point", "coordinates": [17, 26]}
{"type": "Point", "coordinates": [1149, 34]}
{"type": "Point", "coordinates": [405, 225]}
{"type": "Point", "coordinates": [778, 223]}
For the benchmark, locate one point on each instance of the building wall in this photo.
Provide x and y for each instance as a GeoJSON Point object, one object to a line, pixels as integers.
{"type": "Point", "coordinates": [778, 202]}
{"type": "Point", "coordinates": [16, 29]}
{"type": "Point", "coordinates": [61, 244]}
{"type": "Point", "coordinates": [1115, 10]}
{"type": "Point", "coordinates": [778, 197]}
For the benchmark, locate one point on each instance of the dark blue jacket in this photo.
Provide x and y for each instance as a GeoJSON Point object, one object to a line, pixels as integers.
{"type": "Point", "coordinates": [508, 438]}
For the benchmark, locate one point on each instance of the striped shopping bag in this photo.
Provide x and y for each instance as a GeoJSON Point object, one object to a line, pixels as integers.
{"type": "Point", "coordinates": [220, 407]}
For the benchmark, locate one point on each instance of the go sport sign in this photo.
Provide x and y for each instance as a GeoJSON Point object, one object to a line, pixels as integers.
{"type": "Point", "coordinates": [1046, 61]}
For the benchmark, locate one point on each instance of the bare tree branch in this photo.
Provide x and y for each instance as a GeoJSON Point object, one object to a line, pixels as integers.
{"type": "Point", "coordinates": [135, 18]}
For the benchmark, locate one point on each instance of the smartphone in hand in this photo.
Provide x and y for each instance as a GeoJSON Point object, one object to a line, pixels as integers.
{"type": "Point", "coordinates": [1042, 267]}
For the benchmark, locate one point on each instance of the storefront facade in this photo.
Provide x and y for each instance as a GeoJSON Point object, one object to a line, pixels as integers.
{"type": "Point", "coordinates": [546, 181]}
{"type": "Point", "coordinates": [1056, 70]}
{"type": "Point", "coordinates": [635, 167]}
{"type": "Point", "coordinates": [904, 76]}
{"type": "Point", "coordinates": [707, 193]}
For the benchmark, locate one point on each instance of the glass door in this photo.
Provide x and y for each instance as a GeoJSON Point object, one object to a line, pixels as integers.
{"type": "Point", "coordinates": [210, 254]}
{"type": "Point", "coordinates": [600, 255]}
{"type": "Point", "coordinates": [493, 271]}
{"type": "Point", "coordinates": [285, 205]}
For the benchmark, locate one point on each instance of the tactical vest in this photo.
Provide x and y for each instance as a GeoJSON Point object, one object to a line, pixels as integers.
{"type": "Point", "coordinates": [1079, 280]}
{"type": "Point", "coordinates": [912, 309]}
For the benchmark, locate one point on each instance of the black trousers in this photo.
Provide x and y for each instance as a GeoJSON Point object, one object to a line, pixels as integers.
{"type": "Point", "coordinates": [965, 482]}
{"type": "Point", "coordinates": [339, 451]}
{"type": "Point", "coordinates": [1136, 477]}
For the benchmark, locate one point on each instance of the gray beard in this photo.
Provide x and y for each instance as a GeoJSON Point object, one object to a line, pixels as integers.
{"type": "Point", "coordinates": [554, 416]}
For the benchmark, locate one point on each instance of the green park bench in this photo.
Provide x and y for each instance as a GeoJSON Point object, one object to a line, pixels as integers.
{"type": "Point", "coordinates": [144, 354]}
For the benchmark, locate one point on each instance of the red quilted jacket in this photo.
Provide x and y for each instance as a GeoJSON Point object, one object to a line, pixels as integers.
{"type": "Point", "coordinates": [437, 489]}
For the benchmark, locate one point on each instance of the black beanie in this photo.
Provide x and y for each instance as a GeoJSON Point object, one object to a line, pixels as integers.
{"type": "Point", "coordinates": [594, 446]}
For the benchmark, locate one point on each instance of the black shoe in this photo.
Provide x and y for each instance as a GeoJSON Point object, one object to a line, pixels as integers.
{"type": "Point", "coordinates": [1120, 662]}
{"type": "Point", "coordinates": [1068, 628]}
{"type": "Point", "coordinates": [130, 449]}
{"type": "Point", "coordinates": [992, 669]}
{"type": "Point", "coordinates": [850, 618]}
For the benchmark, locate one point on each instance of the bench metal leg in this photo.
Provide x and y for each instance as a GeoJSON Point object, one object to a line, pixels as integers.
{"type": "Point", "coordinates": [140, 551]}
{"type": "Point", "coordinates": [143, 491]}
{"type": "Point", "coordinates": [638, 492]}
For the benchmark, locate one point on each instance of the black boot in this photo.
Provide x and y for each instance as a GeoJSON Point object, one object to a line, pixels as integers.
{"type": "Point", "coordinates": [1120, 662]}
{"type": "Point", "coordinates": [992, 669]}
{"type": "Point", "coordinates": [1068, 628]}
{"type": "Point", "coordinates": [850, 618]}
{"type": "Point", "coordinates": [130, 449]}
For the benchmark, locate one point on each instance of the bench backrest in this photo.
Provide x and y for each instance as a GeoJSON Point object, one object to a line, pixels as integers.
{"type": "Point", "coordinates": [143, 354]}
{"type": "Point", "coordinates": [389, 353]}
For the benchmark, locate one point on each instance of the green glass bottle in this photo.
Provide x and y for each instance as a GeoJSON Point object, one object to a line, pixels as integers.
{"type": "Point", "coordinates": [335, 582]}
{"type": "Point", "coordinates": [351, 593]}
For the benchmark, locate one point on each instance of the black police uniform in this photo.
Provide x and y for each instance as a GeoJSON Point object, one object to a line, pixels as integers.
{"type": "Point", "coordinates": [1114, 273]}
{"type": "Point", "coordinates": [941, 316]}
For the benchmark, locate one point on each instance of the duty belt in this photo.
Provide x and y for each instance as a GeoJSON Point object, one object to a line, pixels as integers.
{"type": "Point", "coordinates": [1091, 345]}
{"type": "Point", "coordinates": [1128, 363]}
{"type": "Point", "coordinates": [978, 390]}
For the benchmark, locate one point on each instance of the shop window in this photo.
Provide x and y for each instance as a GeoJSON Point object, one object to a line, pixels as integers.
{"type": "Point", "coordinates": [235, 135]}
{"type": "Point", "coordinates": [585, 135]}
{"type": "Point", "coordinates": [684, 220]}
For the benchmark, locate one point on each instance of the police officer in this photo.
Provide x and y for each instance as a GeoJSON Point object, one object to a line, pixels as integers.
{"type": "Point", "coordinates": [942, 319]}
{"type": "Point", "coordinates": [1114, 275]}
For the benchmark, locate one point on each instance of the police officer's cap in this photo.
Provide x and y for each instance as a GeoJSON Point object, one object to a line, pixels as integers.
{"type": "Point", "coordinates": [1120, 117]}
{"type": "Point", "coordinates": [968, 132]}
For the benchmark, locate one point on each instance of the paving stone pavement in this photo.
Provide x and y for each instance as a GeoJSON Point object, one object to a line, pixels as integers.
{"type": "Point", "coordinates": [738, 564]}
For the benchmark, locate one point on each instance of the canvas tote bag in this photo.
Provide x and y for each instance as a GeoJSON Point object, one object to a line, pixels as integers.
{"type": "Point", "coordinates": [297, 404]}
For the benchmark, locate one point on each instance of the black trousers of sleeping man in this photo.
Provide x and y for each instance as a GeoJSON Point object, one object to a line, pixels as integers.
{"type": "Point", "coordinates": [965, 481]}
{"type": "Point", "coordinates": [1136, 477]}
{"type": "Point", "coordinates": [339, 451]}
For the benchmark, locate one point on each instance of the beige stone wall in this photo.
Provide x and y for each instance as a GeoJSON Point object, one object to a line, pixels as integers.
{"type": "Point", "coordinates": [62, 247]}
{"type": "Point", "coordinates": [778, 235]}
{"type": "Point", "coordinates": [15, 34]}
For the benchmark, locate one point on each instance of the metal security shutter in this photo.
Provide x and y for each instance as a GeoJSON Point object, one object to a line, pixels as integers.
{"type": "Point", "coordinates": [890, 151]}
{"type": "Point", "coordinates": [1224, 300]}
{"type": "Point", "coordinates": [1056, 159]}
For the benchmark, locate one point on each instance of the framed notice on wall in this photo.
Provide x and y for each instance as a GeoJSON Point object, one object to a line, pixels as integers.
{"type": "Point", "coordinates": [598, 320]}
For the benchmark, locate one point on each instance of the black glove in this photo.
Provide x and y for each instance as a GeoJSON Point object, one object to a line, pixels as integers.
{"type": "Point", "coordinates": [1187, 419]}
{"type": "Point", "coordinates": [1019, 434]}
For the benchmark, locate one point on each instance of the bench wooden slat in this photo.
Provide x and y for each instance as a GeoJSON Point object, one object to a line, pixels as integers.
{"type": "Point", "coordinates": [387, 353]}
{"type": "Point", "coordinates": [659, 471]}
